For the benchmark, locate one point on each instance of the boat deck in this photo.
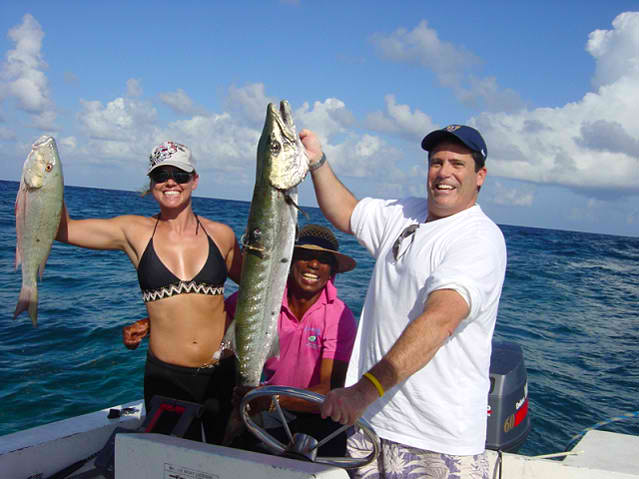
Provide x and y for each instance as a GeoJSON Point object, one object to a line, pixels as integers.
{"type": "Point", "coordinates": [599, 454]}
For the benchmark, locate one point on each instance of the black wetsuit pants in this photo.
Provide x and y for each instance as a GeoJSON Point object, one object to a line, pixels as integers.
{"type": "Point", "coordinates": [212, 386]}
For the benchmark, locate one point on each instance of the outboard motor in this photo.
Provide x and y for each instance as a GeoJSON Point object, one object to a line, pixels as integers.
{"type": "Point", "coordinates": [508, 418]}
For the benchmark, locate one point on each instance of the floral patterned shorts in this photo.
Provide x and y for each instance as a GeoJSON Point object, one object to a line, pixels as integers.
{"type": "Point", "coordinates": [397, 461]}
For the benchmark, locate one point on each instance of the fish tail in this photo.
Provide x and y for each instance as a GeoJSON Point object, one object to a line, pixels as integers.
{"type": "Point", "coordinates": [28, 300]}
{"type": "Point", "coordinates": [18, 256]}
{"type": "Point", "coordinates": [41, 267]}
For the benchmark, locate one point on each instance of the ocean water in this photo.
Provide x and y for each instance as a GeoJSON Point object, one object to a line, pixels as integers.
{"type": "Point", "coordinates": [570, 300]}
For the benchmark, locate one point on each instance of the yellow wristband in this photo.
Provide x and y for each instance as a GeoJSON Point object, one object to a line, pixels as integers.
{"type": "Point", "coordinates": [376, 383]}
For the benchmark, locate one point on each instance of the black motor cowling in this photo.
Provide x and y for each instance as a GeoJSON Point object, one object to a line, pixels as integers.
{"type": "Point", "coordinates": [508, 418]}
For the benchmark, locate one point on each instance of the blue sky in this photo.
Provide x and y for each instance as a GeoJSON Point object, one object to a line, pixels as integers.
{"type": "Point", "coordinates": [552, 86]}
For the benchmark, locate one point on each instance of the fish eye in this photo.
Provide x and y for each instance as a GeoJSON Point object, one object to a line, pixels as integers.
{"type": "Point", "coordinates": [276, 146]}
{"type": "Point", "coordinates": [49, 167]}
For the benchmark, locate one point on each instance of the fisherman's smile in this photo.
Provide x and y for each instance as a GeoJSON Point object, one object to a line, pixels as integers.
{"type": "Point", "coordinates": [310, 277]}
{"type": "Point", "coordinates": [311, 270]}
{"type": "Point", "coordinates": [443, 188]}
{"type": "Point", "coordinates": [452, 180]}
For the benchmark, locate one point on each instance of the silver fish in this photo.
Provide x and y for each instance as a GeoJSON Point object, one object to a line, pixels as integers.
{"type": "Point", "coordinates": [268, 245]}
{"type": "Point", "coordinates": [268, 242]}
{"type": "Point", "coordinates": [38, 210]}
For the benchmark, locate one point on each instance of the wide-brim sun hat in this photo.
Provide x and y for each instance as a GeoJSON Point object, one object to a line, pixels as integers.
{"type": "Point", "coordinates": [319, 238]}
{"type": "Point", "coordinates": [171, 153]}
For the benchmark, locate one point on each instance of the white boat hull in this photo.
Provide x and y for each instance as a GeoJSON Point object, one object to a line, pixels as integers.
{"type": "Point", "coordinates": [42, 451]}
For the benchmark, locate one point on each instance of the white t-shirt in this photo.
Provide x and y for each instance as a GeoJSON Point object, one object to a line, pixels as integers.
{"type": "Point", "coordinates": [442, 407]}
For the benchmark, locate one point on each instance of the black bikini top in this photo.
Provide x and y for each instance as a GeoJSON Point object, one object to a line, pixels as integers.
{"type": "Point", "coordinates": [157, 281]}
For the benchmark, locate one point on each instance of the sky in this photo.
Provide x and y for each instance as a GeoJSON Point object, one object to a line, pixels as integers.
{"type": "Point", "coordinates": [552, 86]}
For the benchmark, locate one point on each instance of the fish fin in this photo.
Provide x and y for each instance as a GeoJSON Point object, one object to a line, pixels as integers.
{"type": "Point", "coordinates": [28, 300]}
{"type": "Point", "coordinates": [20, 210]}
{"type": "Point", "coordinates": [18, 255]}
{"type": "Point", "coordinates": [291, 202]}
{"type": "Point", "coordinates": [229, 337]}
{"type": "Point", "coordinates": [33, 310]}
{"type": "Point", "coordinates": [41, 267]}
{"type": "Point", "coordinates": [274, 349]}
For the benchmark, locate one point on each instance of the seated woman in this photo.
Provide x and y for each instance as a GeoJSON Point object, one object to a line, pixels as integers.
{"type": "Point", "coordinates": [182, 262]}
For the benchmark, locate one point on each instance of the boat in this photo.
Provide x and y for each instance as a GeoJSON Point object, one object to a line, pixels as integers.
{"type": "Point", "coordinates": [44, 451]}
{"type": "Point", "coordinates": [122, 442]}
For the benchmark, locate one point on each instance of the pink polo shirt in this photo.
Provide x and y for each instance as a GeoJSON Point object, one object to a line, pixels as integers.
{"type": "Point", "coordinates": [327, 331]}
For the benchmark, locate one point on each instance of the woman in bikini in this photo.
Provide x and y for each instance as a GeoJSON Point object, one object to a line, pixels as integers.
{"type": "Point", "coordinates": [182, 262]}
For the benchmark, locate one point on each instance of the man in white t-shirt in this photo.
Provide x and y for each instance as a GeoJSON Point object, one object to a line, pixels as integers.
{"type": "Point", "coordinates": [419, 371]}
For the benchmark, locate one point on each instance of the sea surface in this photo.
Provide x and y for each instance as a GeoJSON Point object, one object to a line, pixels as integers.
{"type": "Point", "coordinates": [570, 300]}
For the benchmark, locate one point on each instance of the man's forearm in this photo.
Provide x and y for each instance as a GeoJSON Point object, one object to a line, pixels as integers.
{"type": "Point", "coordinates": [421, 339]}
{"type": "Point", "coordinates": [335, 200]}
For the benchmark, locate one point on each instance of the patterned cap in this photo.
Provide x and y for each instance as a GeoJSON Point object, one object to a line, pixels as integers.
{"type": "Point", "coordinates": [171, 153]}
{"type": "Point", "coordinates": [320, 238]}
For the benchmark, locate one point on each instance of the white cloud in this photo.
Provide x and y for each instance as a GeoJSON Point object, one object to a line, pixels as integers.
{"type": "Point", "coordinates": [422, 46]}
{"type": "Point", "coordinates": [327, 118]}
{"type": "Point", "coordinates": [400, 120]}
{"type": "Point", "coordinates": [6, 133]}
{"type": "Point", "coordinates": [611, 136]}
{"type": "Point", "coordinates": [249, 102]}
{"type": "Point", "coordinates": [44, 120]}
{"type": "Point", "coordinates": [617, 50]}
{"type": "Point", "coordinates": [592, 144]}
{"type": "Point", "coordinates": [512, 196]}
{"type": "Point", "coordinates": [181, 103]}
{"type": "Point", "coordinates": [22, 76]}
{"type": "Point", "coordinates": [218, 141]}
{"type": "Point", "coordinates": [452, 64]}
{"type": "Point", "coordinates": [68, 143]}
{"type": "Point", "coordinates": [120, 120]}
{"type": "Point", "coordinates": [133, 87]}
{"type": "Point", "coordinates": [485, 94]}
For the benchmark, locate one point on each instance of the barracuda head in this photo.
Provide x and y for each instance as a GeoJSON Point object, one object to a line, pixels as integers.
{"type": "Point", "coordinates": [280, 153]}
{"type": "Point", "coordinates": [42, 163]}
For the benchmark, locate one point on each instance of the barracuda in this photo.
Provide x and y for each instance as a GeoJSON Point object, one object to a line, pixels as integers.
{"type": "Point", "coordinates": [268, 246]}
{"type": "Point", "coordinates": [268, 241]}
{"type": "Point", "coordinates": [38, 211]}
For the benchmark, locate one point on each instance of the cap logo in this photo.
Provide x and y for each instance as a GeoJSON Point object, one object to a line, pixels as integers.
{"type": "Point", "coordinates": [165, 151]}
{"type": "Point", "coordinates": [451, 128]}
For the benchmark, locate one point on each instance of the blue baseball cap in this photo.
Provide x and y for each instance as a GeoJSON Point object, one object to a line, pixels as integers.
{"type": "Point", "coordinates": [466, 134]}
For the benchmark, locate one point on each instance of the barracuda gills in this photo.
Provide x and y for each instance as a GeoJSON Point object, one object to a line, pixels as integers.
{"type": "Point", "coordinates": [38, 211]}
{"type": "Point", "coordinates": [268, 241]}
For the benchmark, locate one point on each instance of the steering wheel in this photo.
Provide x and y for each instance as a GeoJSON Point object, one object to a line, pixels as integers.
{"type": "Point", "coordinates": [303, 445]}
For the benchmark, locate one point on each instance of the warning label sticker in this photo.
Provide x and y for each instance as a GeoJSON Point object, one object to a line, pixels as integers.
{"type": "Point", "coordinates": [173, 471]}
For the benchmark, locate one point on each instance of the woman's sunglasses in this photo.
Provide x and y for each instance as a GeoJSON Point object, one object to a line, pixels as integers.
{"type": "Point", "coordinates": [162, 175]}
